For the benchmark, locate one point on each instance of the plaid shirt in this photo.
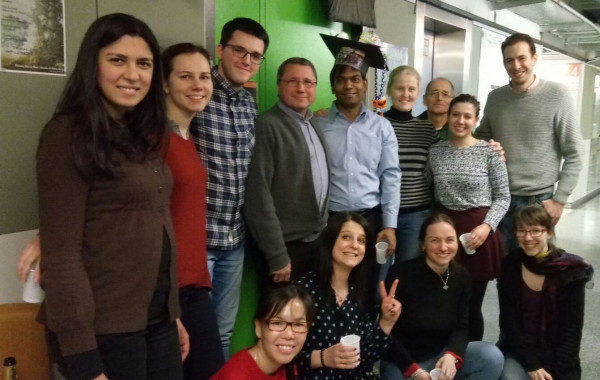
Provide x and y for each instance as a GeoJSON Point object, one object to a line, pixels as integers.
{"type": "Point", "coordinates": [224, 137]}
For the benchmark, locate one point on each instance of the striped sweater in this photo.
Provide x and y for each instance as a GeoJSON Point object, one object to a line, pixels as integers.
{"type": "Point", "coordinates": [414, 136]}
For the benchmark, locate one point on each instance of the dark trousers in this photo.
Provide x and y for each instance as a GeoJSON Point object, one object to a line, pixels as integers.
{"type": "Point", "coordinates": [150, 354]}
{"type": "Point", "coordinates": [476, 322]}
{"type": "Point", "coordinates": [198, 317]}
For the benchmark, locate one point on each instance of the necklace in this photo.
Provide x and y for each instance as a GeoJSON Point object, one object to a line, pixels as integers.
{"type": "Point", "coordinates": [340, 299]}
{"type": "Point", "coordinates": [445, 281]}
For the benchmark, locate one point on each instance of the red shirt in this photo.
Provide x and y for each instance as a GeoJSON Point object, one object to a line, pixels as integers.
{"type": "Point", "coordinates": [188, 210]}
{"type": "Point", "coordinates": [241, 366]}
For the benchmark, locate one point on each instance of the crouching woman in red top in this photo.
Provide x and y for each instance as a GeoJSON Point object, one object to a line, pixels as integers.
{"type": "Point", "coordinates": [281, 324]}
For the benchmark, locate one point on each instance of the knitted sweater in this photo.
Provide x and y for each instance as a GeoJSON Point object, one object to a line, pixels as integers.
{"type": "Point", "coordinates": [414, 139]}
{"type": "Point", "coordinates": [470, 177]}
{"type": "Point", "coordinates": [537, 128]}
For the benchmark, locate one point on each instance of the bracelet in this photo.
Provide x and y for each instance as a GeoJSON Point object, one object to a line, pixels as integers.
{"type": "Point", "coordinates": [322, 360]}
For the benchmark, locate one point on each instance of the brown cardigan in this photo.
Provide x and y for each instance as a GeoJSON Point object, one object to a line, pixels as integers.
{"type": "Point", "coordinates": [101, 243]}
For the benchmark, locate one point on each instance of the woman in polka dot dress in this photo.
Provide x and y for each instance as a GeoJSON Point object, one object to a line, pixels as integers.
{"type": "Point", "coordinates": [339, 291]}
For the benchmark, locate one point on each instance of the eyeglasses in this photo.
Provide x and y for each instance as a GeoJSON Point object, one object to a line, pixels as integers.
{"type": "Point", "coordinates": [279, 325]}
{"type": "Point", "coordinates": [534, 232]}
{"type": "Point", "coordinates": [443, 94]}
{"type": "Point", "coordinates": [297, 82]}
{"type": "Point", "coordinates": [240, 52]}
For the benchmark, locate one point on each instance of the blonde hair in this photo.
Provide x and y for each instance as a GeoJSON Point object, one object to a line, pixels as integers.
{"type": "Point", "coordinates": [409, 70]}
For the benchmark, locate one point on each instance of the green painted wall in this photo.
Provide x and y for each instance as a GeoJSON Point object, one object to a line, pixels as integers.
{"type": "Point", "coordinates": [293, 27]}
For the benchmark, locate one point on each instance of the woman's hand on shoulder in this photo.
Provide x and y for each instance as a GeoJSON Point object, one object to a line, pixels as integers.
{"type": "Point", "coordinates": [447, 364]}
{"type": "Point", "coordinates": [340, 356]}
{"type": "Point", "coordinates": [478, 235]}
{"type": "Point", "coordinates": [390, 307]}
{"type": "Point", "coordinates": [539, 374]}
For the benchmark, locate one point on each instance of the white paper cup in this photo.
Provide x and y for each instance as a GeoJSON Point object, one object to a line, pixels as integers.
{"type": "Point", "coordinates": [32, 291]}
{"type": "Point", "coordinates": [435, 373]}
{"type": "Point", "coordinates": [352, 341]}
{"type": "Point", "coordinates": [463, 240]}
{"type": "Point", "coordinates": [381, 249]}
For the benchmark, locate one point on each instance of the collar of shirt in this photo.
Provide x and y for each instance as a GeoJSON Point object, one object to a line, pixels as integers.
{"type": "Point", "coordinates": [335, 112]}
{"type": "Point", "coordinates": [295, 115]}
{"type": "Point", "coordinates": [174, 127]}
{"type": "Point", "coordinates": [535, 82]}
{"type": "Point", "coordinates": [223, 84]}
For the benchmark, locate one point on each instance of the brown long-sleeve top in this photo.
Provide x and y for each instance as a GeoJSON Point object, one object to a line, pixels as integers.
{"type": "Point", "coordinates": [101, 243]}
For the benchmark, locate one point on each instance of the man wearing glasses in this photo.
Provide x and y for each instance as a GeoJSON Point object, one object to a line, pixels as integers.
{"type": "Point", "coordinates": [224, 138]}
{"type": "Point", "coordinates": [438, 95]}
{"type": "Point", "coordinates": [288, 184]}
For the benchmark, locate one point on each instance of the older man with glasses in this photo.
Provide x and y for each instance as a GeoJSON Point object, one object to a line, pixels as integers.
{"type": "Point", "coordinates": [288, 184]}
{"type": "Point", "coordinates": [438, 95]}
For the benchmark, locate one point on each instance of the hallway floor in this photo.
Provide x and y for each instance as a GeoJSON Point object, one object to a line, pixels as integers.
{"type": "Point", "coordinates": [577, 232]}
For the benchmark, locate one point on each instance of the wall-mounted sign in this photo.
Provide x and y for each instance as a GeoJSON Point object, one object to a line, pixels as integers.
{"type": "Point", "coordinates": [32, 38]}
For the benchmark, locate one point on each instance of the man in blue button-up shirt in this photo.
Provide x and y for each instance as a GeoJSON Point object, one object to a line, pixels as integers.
{"type": "Point", "coordinates": [365, 173]}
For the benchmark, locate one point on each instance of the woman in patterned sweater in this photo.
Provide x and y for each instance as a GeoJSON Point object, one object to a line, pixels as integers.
{"type": "Point", "coordinates": [471, 185]}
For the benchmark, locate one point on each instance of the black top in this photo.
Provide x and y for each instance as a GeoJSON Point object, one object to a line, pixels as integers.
{"type": "Point", "coordinates": [432, 318]}
{"type": "Point", "coordinates": [563, 333]}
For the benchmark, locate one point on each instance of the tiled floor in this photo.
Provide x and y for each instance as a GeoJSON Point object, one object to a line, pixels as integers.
{"type": "Point", "coordinates": [577, 232]}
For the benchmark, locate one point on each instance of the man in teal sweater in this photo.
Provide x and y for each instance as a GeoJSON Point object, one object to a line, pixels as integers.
{"type": "Point", "coordinates": [535, 122]}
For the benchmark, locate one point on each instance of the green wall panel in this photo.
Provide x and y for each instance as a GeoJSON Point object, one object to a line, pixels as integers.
{"type": "Point", "coordinates": [293, 27]}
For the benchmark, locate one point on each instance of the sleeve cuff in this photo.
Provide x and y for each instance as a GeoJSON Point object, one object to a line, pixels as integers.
{"type": "Point", "coordinates": [85, 365]}
{"type": "Point", "coordinates": [459, 360]}
{"type": "Point", "coordinates": [411, 369]}
{"type": "Point", "coordinates": [389, 221]}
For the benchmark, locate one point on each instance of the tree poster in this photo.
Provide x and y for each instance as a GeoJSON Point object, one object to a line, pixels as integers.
{"type": "Point", "coordinates": [32, 37]}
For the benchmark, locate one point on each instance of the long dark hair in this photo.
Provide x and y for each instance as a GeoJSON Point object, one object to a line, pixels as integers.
{"type": "Point", "coordinates": [359, 275]}
{"type": "Point", "coordinates": [95, 134]}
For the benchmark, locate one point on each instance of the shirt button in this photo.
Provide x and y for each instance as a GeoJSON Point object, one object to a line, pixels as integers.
{"type": "Point", "coordinates": [160, 189]}
{"type": "Point", "coordinates": [155, 170]}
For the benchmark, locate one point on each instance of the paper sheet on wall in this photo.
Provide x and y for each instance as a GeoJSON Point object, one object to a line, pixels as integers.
{"type": "Point", "coordinates": [32, 37]}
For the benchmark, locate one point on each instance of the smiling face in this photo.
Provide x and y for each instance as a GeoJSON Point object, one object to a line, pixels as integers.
{"type": "Point", "coordinates": [349, 88]}
{"type": "Point", "coordinates": [297, 95]}
{"type": "Point", "coordinates": [349, 248]}
{"type": "Point", "coordinates": [124, 74]}
{"type": "Point", "coordinates": [438, 97]}
{"type": "Point", "coordinates": [189, 86]}
{"type": "Point", "coordinates": [440, 245]}
{"type": "Point", "coordinates": [237, 71]}
{"type": "Point", "coordinates": [519, 64]}
{"type": "Point", "coordinates": [277, 348]}
{"type": "Point", "coordinates": [404, 91]}
{"type": "Point", "coordinates": [462, 119]}
{"type": "Point", "coordinates": [532, 245]}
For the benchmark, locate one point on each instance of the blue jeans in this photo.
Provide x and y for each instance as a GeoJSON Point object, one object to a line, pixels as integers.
{"type": "Point", "coordinates": [482, 361]}
{"type": "Point", "coordinates": [513, 370]}
{"type": "Point", "coordinates": [506, 225]}
{"type": "Point", "coordinates": [225, 269]}
{"type": "Point", "coordinates": [407, 239]}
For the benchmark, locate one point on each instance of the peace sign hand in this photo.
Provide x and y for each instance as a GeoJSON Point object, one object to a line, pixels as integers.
{"type": "Point", "coordinates": [390, 307]}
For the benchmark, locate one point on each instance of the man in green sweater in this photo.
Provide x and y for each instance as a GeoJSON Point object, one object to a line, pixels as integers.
{"type": "Point", "coordinates": [535, 122]}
